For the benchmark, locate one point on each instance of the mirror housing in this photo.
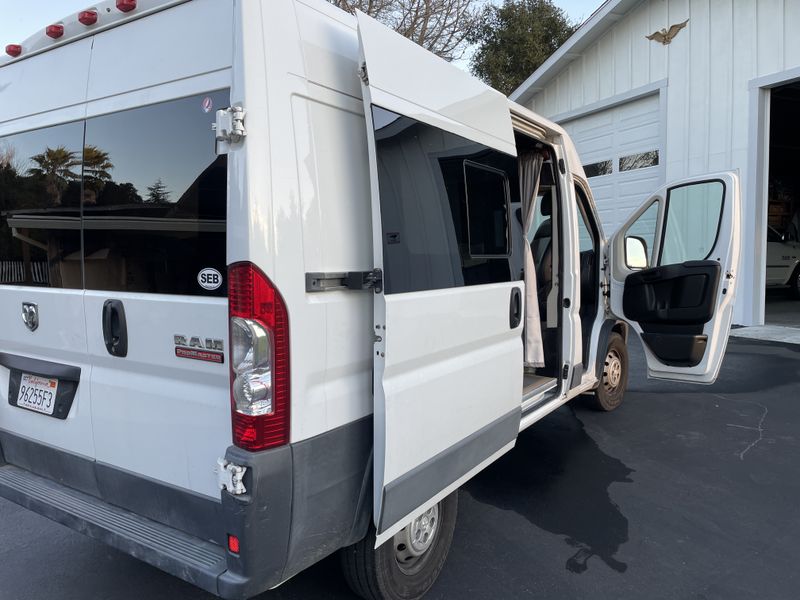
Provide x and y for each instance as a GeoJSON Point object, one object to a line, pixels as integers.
{"type": "Point", "coordinates": [636, 252]}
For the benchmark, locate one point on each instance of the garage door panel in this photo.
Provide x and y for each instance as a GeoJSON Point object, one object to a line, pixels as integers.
{"type": "Point", "coordinates": [620, 131]}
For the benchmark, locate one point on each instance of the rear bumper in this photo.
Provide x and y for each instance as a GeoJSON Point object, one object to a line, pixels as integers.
{"type": "Point", "coordinates": [303, 502]}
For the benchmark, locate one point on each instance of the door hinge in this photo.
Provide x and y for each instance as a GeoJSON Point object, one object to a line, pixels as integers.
{"type": "Point", "coordinates": [230, 477]}
{"type": "Point", "coordinates": [229, 128]}
{"type": "Point", "coordinates": [565, 371]}
{"type": "Point", "coordinates": [363, 74]}
{"type": "Point", "coordinates": [351, 280]}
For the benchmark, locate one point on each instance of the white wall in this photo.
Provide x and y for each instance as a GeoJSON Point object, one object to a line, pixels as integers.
{"type": "Point", "coordinates": [708, 67]}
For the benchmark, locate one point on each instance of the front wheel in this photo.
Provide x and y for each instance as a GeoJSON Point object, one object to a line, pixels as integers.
{"type": "Point", "coordinates": [608, 395]}
{"type": "Point", "coordinates": [406, 566]}
{"type": "Point", "coordinates": [794, 283]}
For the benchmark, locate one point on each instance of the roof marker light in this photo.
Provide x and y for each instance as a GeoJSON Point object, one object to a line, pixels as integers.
{"type": "Point", "coordinates": [14, 50]}
{"type": "Point", "coordinates": [88, 17]}
{"type": "Point", "coordinates": [126, 5]}
{"type": "Point", "coordinates": [55, 31]}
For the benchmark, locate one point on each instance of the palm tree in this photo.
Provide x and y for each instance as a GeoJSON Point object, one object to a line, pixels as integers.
{"type": "Point", "coordinates": [96, 167]}
{"type": "Point", "coordinates": [55, 167]}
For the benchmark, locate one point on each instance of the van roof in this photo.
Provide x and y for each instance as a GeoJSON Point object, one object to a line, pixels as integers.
{"type": "Point", "coordinates": [107, 14]}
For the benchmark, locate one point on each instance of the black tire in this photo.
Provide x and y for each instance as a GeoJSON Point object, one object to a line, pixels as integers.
{"type": "Point", "coordinates": [376, 574]}
{"type": "Point", "coordinates": [794, 283]}
{"type": "Point", "coordinates": [614, 379]}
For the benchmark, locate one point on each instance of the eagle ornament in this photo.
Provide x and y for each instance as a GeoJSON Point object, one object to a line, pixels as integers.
{"type": "Point", "coordinates": [664, 36]}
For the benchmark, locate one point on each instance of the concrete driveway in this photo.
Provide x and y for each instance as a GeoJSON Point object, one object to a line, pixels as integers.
{"type": "Point", "coordinates": [684, 492]}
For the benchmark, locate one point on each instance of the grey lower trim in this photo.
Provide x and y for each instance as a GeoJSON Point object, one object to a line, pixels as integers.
{"type": "Point", "coordinates": [408, 492]}
{"type": "Point", "coordinates": [44, 368]}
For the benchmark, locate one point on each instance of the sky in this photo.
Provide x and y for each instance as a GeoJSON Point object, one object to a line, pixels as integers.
{"type": "Point", "coordinates": [20, 18]}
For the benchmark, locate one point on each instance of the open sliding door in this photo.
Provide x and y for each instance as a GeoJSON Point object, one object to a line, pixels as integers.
{"type": "Point", "coordinates": [448, 351]}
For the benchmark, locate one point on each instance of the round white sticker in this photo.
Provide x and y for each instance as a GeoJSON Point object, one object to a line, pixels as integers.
{"type": "Point", "coordinates": [209, 279]}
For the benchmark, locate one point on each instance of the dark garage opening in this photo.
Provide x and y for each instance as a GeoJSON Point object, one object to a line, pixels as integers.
{"type": "Point", "coordinates": [783, 216]}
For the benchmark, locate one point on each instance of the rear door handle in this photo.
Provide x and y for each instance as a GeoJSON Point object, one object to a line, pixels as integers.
{"type": "Point", "coordinates": [515, 309]}
{"type": "Point", "coordinates": [115, 328]}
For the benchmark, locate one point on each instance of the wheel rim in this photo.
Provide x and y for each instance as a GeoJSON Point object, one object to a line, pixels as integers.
{"type": "Point", "coordinates": [612, 376]}
{"type": "Point", "coordinates": [411, 544]}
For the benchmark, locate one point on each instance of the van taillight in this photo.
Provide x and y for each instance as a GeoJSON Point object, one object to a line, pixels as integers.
{"type": "Point", "coordinates": [259, 347]}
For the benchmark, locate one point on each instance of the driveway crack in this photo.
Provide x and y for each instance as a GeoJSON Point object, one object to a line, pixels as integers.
{"type": "Point", "coordinates": [758, 428]}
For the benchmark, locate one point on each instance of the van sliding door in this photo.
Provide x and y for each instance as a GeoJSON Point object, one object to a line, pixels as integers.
{"type": "Point", "coordinates": [448, 350]}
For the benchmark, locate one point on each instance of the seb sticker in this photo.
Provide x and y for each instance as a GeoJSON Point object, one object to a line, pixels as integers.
{"type": "Point", "coordinates": [209, 279]}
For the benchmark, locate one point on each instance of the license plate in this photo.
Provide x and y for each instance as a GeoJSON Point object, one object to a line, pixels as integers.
{"type": "Point", "coordinates": [37, 393]}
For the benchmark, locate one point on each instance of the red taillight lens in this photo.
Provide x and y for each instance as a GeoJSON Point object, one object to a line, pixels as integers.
{"type": "Point", "coordinates": [259, 343]}
{"type": "Point", "coordinates": [54, 31]}
{"type": "Point", "coordinates": [126, 5]}
{"type": "Point", "coordinates": [14, 50]}
{"type": "Point", "coordinates": [233, 544]}
{"type": "Point", "coordinates": [88, 17]}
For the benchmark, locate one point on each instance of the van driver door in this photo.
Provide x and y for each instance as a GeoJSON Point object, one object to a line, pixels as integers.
{"type": "Point", "coordinates": [448, 315]}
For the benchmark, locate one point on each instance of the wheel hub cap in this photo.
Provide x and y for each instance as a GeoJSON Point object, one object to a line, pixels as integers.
{"type": "Point", "coordinates": [411, 543]}
{"type": "Point", "coordinates": [613, 370]}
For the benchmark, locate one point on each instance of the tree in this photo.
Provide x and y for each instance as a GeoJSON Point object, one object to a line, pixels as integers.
{"type": "Point", "coordinates": [55, 166]}
{"type": "Point", "coordinates": [96, 168]}
{"type": "Point", "coordinates": [158, 193]}
{"type": "Point", "coordinates": [441, 26]}
{"type": "Point", "coordinates": [515, 38]}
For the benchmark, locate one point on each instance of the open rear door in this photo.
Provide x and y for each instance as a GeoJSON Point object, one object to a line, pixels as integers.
{"type": "Point", "coordinates": [673, 275]}
{"type": "Point", "coordinates": [448, 351]}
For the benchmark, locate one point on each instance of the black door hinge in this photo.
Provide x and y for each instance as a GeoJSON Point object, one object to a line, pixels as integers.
{"type": "Point", "coordinates": [350, 280]}
{"type": "Point", "coordinates": [565, 371]}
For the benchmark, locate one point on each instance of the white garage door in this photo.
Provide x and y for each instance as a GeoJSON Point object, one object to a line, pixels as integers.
{"type": "Point", "coordinates": [621, 150]}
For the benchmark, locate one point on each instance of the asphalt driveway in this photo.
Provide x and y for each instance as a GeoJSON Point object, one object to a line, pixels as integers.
{"type": "Point", "coordinates": [685, 492]}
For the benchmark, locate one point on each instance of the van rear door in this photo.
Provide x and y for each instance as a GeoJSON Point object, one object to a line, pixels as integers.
{"type": "Point", "coordinates": [673, 275]}
{"type": "Point", "coordinates": [448, 349]}
{"type": "Point", "coordinates": [154, 224]}
{"type": "Point", "coordinates": [44, 371]}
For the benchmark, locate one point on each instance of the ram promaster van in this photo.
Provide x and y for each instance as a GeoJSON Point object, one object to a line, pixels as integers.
{"type": "Point", "coordinates": [275, 282]}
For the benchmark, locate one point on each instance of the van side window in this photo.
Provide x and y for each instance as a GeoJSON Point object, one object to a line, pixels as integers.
{"type": "Point", "coordinates": [487, 210]}
{"type": "Point", "coordinates": [155, 198]}
{"type": "Point", "coordinates": [40, 194]}
{"type": "Point", "coordinates": [444, 207]}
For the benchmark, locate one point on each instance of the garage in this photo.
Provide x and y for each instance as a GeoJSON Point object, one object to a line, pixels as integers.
{"type": "Point", "coordinates": [783, 213]}
{"type": "Point", "coordinates": [620, 148]}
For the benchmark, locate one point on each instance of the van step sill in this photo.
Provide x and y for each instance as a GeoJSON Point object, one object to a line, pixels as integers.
{"type": "Point", "coordinates": [170, 550]}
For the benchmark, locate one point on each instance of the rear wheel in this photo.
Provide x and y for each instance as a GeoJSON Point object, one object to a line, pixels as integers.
{"type": "Point", "coordinates": [405, 567]}
{"type": "Point", "coordinates": [614, 380]}
{"type": "Point", "coordinates": [794, 283]}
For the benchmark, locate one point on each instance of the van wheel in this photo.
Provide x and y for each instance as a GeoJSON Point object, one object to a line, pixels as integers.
{"type": "Point", "coordinates": [405, 567]}
{"type": "Point", "coordinates": [608, 395]}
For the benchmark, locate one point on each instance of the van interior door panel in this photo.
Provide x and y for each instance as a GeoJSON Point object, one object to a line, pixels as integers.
{"type": "Point", "coordinates": [672, 304]}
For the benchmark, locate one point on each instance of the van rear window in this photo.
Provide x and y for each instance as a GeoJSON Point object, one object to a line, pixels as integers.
{"type": "Point", "coordinates": [131, 201]}
{"type": "Point", "coordinates": [154, 198]}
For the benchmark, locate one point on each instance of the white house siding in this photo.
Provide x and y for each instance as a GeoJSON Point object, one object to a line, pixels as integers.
{"type": "Point", "coordinates": [707, 68]}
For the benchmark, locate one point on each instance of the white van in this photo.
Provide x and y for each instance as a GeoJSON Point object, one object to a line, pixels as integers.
{"type": "Point", "coordinates": [275, 282]}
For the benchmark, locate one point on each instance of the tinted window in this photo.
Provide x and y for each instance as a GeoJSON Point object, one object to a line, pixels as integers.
{"type": "Point", "coordinates": [598, 168]}
{"type": "Point", "coordinates": [641, 160]}
{"type": "Point", "coordinates": [40, 194]}
{"type": "Point", "coordinates": [487, 210]}
{"type": "Point", "coordinates": [692, 221]}
{"type": "Point", "coordinates": [155, 198]}
{"type": "Point", "coordinates": [423, 194]}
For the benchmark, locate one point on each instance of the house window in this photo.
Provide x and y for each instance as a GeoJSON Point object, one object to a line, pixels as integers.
{"type": "Point", "coordinates": [640, 160]}
{"type": "Point", "coordinates": [596, 169]}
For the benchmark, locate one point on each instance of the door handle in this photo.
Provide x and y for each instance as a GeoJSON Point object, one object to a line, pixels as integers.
{"type": "Point", "coordinates": [515, 309]}
{"type": "Point", "coordinates": [115, 328]}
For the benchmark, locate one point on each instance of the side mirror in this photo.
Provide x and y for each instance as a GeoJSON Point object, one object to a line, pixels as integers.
{"type": "Point", "coordinates": [636, 252]}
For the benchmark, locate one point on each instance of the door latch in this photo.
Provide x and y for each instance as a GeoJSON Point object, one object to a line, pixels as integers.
{"type": "Point", "coordinates": [351, 280]}
{"type": "Point", "coordinates": [229, 128]}
{"type": "Point", "coordinates": [230, 477]}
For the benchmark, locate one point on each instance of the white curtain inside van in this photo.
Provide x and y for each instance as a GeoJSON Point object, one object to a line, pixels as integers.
{"type": "Point", "coordinates": [530, 168]}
